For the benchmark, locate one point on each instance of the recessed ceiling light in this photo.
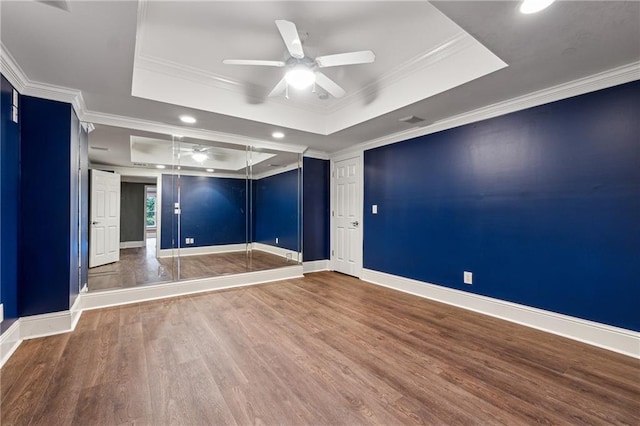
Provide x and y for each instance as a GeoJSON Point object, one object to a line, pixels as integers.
{"type": "Point", "coordinates": [210, 170]}
{"type": "Point", "coordinates": [533, 6]}
{"type": "Point", "coordinates": [277, 135]}
{"type": "Point", "coordinates": [160, 166]}
{"type": "Point", "coordinates": [187, 119]}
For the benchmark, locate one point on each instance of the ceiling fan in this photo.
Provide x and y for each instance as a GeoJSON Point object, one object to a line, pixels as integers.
{"type": "Point", "coordinates": [302, 71]}
{"type": "Point", "coordinates": [200, 153]}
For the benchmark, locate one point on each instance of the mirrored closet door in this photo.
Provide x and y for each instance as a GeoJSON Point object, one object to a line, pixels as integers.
{"type": "Point", "coordinates": [193, 209]}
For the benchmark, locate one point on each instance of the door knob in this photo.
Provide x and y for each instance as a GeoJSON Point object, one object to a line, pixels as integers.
{"type": "Point", "coordinates": [356, 223]}
{"type": "Point", "coordinates": [94, 222]}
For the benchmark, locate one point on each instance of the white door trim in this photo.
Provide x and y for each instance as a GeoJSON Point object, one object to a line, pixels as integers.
{"type": "Point", "coordinates": [359, 204]}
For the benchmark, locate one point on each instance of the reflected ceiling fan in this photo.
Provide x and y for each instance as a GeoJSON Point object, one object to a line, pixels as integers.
{"type": "Point", "coordinates": [201, 153]}
{"type": "Point", "coordinates": [302, 71]}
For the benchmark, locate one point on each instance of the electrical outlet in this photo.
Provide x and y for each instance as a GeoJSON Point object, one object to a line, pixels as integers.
{"type": "Point", "coordinates": [277, 239]}
{"type": "Point", "coordinates": [374, 209]}
{"type": "Point", "coordinates": [468, 277]}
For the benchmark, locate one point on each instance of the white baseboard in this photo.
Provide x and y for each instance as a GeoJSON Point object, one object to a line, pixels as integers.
{"type": "Point", "coordinates": [615, 339]}
{"type": "Point", "coordinates": [194, 251]}
{"type": "Point", "coordinates": [76, 312]}
{"type": "Point", "coordinates": [103, 299]}
{"type": "Point", "coordinates": [316, 266]}
{"type": "Point", "coordinates": [33, 326]}
{"type": "Point", "coordinates": [278, 251]}
{"type": "Point", "coordinates": [132, 244]}
{"type": "Point", "coordinates": [9, 342]}
{"type": "Point", "coordinates": [42, 325]}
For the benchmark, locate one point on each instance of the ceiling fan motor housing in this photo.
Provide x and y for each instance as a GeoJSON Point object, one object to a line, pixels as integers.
{"type": "Point", "coordinates": [307, 62]}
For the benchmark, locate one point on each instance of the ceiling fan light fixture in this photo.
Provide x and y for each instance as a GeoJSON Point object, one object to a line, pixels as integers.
{"type": "Point", "coordinates": [532, 6]}
{"type": "Point", "coordinates": [300, 77]}
{"type": "Point", "coordinates": [199, 157]}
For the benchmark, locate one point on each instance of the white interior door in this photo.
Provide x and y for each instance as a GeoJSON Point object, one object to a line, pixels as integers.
{"type": "Point", "coordinates": [346, 253]}
{"type": "Point", "coordinates": [105, 218]}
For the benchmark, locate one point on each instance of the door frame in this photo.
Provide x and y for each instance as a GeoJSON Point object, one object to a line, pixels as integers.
{"type": "Point", "coordinates": [147, 173]}
{"type": "Point", "coordinates": [144, 208]}
{"type": "Point", "coordinates": [359, 205]}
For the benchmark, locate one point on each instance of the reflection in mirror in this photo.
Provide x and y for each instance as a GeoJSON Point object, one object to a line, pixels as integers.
{"type": "Point", "coordinates": [193, 209]}
{"type": "Point", "coordinates": [276, 208]}
{"type": "Point", "coordinates": [132, 208]}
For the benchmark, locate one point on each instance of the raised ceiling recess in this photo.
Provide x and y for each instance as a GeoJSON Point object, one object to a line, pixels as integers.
{"type": "Point", "coordinates": [419, 52]}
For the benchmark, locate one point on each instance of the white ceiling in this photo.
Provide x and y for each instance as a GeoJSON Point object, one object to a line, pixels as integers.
{"type": "Point", "coordinates": [180, 50]}
{"type": "Point", "coordinates": [92, 48]}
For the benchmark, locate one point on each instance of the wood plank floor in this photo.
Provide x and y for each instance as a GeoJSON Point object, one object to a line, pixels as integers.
{"type": "Point", "coordinates": [326, 349]}
{"type": "Point", "coordinates": [139, 266]}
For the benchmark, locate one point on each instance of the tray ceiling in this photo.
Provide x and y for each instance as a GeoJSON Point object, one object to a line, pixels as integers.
{"type": "Point", "coordinates": [419, 53]}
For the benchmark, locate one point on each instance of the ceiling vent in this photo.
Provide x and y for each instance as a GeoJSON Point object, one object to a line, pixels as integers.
{"type": "Point", "coordinates": [412, 119]}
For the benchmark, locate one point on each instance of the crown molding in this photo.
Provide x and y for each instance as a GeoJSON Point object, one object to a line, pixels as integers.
{"type": "Point", "coordinates": [11, 70]}
{"type": "Point", "coordinates": [448, 48]}
{"type": "Point", "coordinates": [157, 173]}
{"type": "Point", "coordinates": [599, 81]}
{"type": "Point", "coordinates": [168, 129]}
{"type": "Point", "coordinates": [17, 77]}
{"type": "Point", "coordinates": [320, 155]}
{"type": "Point", "coordinates": [276, 171]}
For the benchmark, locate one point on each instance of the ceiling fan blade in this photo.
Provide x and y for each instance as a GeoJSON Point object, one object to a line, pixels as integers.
{"type": "Point", "coordinates": [253, 62]}
{"type": "Point", "coordinates": [289, 34]}
{"type": "Point", "coordinates": [351, 58]}
{"type": "Point", "coordinates": [329, 85]}
{"type": "Point", "coordinates": [280, 88]}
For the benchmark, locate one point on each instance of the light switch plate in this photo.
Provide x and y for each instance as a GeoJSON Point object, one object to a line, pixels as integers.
{"type": "Point", "coordinates": [374, 209]}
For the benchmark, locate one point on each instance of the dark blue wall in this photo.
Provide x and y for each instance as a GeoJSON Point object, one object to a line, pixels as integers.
{"type": "Point", "coordinates": [542, 205]}
{"type": "Point", "coordinates": [212, 211]}
{"type": "Point", "coordinates": [9, 202]}
{"type": "Point", "coordinates": [276, 210]}
{"type": "Point", "coordinates": [315, 198]}
{"type": "Point", "coordinates": [45, 234]}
